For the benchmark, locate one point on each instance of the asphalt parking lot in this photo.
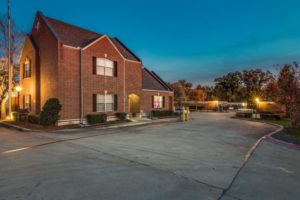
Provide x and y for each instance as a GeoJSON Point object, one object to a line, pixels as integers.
{"type": "Point", "coordinates": [201, 159]}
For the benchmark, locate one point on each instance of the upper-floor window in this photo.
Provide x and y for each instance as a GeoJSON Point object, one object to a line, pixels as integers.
{"type": "Point", "coordinates": [27, 68]}
{"type": "Point", "coordinates": [105, 67]}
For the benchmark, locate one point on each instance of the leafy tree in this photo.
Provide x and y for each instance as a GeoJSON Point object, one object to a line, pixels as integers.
{"type": "Point", "coordinates": [254, 81]}
{"type": "Point", "coordinates": [229, 87]}
{"type": "Point", "coordinates": [289, 91]}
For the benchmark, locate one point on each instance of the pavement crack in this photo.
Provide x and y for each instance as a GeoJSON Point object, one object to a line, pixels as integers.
{"type": "Point", "coordinates": [156, 168]}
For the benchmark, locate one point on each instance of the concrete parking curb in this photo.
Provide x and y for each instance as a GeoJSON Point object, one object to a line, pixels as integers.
{"type": "Point", "coordinates": [7, 125]}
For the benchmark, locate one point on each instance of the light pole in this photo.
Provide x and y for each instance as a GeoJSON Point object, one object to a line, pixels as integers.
{"type": "Point", "coordinates": [9, 61]}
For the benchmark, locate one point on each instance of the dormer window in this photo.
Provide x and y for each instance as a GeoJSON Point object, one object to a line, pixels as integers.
{"type": "Point", "coordinates": [105, 67]}
{"type": "Point", "coordinates": [27, 68]}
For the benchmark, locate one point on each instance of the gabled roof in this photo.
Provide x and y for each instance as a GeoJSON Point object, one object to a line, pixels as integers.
{"type": "Point", "coordinates": [75, 36]}
{"type": "Point", "coordinates": [151, 81]}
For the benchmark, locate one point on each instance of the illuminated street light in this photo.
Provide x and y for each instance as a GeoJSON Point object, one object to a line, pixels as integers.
{"type": "Point", "coordinates": [257, 100]}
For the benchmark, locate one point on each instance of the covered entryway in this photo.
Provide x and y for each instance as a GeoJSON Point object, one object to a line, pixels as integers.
{"type": "Point", "coordinates": [134, 104]}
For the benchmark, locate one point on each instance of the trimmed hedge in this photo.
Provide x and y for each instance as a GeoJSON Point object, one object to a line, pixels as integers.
{"type": "Point", "coordinates": [96, 118]}
{"type": "Point", "coordinates": [34, 119]}
{"type": "Point", "coordinates": [121, 115]}
{"type": "Point", "coordinates": [162, 113]}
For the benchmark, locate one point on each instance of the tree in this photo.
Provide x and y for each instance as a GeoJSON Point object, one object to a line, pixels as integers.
{"type": "Point", "coordinates": [182, 89]}
{"type": "Point", "coordinates": [289, 91]}
{"type": "Point", "coordinates": [254, 81]}
{"type": "Point", "coordinates": [229, 87]}
{"type": "Point", "coordinates": [17, 38]}
{"type": "Point", "coordinates": [197, 94]}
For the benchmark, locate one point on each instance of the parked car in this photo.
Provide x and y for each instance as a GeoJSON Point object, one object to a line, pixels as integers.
{"type": "Point", "coordinates": [178, 111]}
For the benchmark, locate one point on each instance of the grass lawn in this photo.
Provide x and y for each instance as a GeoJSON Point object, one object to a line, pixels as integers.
{"type": "Point", "coordinates": [283, 122]}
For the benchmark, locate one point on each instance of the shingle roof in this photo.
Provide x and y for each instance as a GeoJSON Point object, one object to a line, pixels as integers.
{"type": "Point", "coordinates": [79, 37]}
{"type": "Point", "coordinates": [151, 81]}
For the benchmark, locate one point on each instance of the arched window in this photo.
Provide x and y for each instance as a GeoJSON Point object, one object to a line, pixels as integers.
{"type": "Point", "coordinates": [104, 67]}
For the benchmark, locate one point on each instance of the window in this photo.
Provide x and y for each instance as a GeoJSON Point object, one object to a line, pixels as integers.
{"type": "Point", "coordinates": [27, 101]}
{"type": "Point", "coordinates": [26, 69]}
{"type": "Point", "coordinates": [105, 103]}
{"type": "Point", "coordinates": [158, 102]}
{"type": "Point", "coordinates": [104, 67]}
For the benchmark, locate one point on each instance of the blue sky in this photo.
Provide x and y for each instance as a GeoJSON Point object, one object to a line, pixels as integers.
{"type": "Point", "coordinates": [196, 40]}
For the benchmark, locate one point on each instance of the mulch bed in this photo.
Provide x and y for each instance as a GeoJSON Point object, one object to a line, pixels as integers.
{"type": "Point", "coordinates": [55, 128]}
{"type": "Point", "coordinates": [286, 136]}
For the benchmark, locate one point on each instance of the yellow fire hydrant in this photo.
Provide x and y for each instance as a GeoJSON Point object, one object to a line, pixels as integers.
{"type": "Point", "coordinates": [187, 114]}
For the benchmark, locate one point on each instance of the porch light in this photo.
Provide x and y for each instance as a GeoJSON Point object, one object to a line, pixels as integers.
{"type": "Point", "coordinates": [18, 88]}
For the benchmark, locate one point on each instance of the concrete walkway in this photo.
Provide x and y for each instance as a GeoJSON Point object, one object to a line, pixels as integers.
{"type": "Point", "coordinates": [195, 160]}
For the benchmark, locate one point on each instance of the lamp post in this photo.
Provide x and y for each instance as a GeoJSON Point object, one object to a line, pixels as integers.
{"type": "Point", "coordinates": [18, 89]}
{"type": "Point", "coordinates": [9, 61]}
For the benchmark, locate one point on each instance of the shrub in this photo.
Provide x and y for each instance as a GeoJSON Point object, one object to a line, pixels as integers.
{"type": "Point", "coordinates": [121, 115]}
{"type": "Point", "coordinates": [162, 113]}
{"type": "Point", "coordinates": [96, 118]}
{"type": "Point", "coordinates": [243, 115]}
{"type": "Point", "coordinates": [34, 119]}
{"type": "Point", "coordinates": [50, 112]}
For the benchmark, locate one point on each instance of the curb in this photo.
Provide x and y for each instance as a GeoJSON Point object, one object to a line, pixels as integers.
{"type": "Point", "coordinates": [269, 138]}
{"type": "Point", "coordinates": [7, 125]}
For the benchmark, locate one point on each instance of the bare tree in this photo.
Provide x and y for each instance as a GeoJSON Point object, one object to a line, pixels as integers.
{"type": "Point", "coordinates": [17, 38]}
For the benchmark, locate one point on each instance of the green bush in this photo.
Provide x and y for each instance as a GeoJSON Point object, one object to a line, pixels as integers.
{"type": "Point", "coordinates": [121, 115]}
{"type": "Point", "coordinates": [270, 116]}
{"type": "Point", "coordinates": [96, 118]}
{"type": "Point", "coordinates": [162, 113]}
{"type": "Point", "coordinates": [34, 119]}
{"type": "Point", "coordinates": [50, 112]}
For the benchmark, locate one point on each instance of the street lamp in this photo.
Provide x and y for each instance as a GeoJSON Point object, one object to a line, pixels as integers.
{"type": "Point", "coordinates": [18, 89]}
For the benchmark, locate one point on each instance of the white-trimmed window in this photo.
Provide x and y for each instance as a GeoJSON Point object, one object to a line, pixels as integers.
{"type": "Point", "coordinates": [26, 69]}
{"type": "Point", "coordinates": [104, 67]}
{"type": "Point", "coordinates": [104, 102]}
{"type": "Point", "coordinates": [27, 101]}
{"type": "Point", "coordinates": [157, 102]}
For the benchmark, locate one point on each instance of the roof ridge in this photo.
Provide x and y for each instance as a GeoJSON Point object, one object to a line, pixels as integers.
{"type": "Point", "coordinates": [76, 26]}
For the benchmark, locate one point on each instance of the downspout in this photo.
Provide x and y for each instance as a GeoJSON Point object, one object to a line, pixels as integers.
{"type": "Point", "coordinates": [81, 87]}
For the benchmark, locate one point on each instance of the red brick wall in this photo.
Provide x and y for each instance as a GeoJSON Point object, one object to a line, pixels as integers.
{"type": "Point", "coordinates": [48, 55]}
{"type": "Point", "coordinates": [69, 82]}
{"type": "Point", "coordinates": [94, 84]}
{"type": "Point", "coordinates": [28, 84]}
{"type": "Point", "coordinates": [146, 100]}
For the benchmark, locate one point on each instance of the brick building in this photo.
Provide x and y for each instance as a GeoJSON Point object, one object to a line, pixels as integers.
{"type": "Point", "coordinates": [88, 72]}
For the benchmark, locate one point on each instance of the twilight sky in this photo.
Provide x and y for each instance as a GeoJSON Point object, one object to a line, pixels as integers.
{"type": "Point", "coordinates": [196, 40]}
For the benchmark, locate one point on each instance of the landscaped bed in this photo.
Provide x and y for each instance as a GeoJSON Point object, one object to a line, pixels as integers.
{"type": "Point", "coordinates": [287, 134]}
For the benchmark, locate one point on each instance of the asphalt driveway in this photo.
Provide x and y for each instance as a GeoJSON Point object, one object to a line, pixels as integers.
{"type": "Point", "coordinates": [194, 160]}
